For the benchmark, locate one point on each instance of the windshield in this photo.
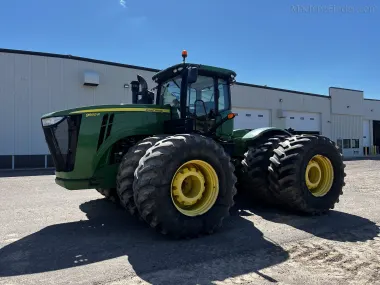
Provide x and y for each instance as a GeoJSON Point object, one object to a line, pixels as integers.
{"type": "Point", "coordinates": [203, 90]}
{"type": "Point", "coordinates": [170, 92]}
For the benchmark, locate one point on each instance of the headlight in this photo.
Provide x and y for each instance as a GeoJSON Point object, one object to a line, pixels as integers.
{"type": "Point", "coordinates": [51, 121]}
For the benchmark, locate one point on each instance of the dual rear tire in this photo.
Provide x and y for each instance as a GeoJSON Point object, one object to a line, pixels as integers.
{"type": "Point", "coordinates": [301, 173]}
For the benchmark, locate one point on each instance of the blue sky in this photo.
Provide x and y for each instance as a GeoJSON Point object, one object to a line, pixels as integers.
{"type": "Point", "coordinates": [301, 45]}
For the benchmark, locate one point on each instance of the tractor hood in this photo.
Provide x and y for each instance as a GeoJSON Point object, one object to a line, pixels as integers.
{"type": "Point", "coordinates": [109, 108]}
{"type": "Point", "coordinates": [82, 141]}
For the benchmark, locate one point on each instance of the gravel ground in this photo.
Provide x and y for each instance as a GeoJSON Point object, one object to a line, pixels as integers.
{"type": "Point", "coordinates": [49, 235]}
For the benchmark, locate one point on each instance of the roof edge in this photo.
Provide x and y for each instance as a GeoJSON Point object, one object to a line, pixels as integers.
{"type": "Point", "coordinates": [92, 60]}
{"type": "Point", "coordinates": [280, 89]}
{"type": "Point", "coordinates": [371, 99]}
{"type": "Point", "coordinates": [332, 87]}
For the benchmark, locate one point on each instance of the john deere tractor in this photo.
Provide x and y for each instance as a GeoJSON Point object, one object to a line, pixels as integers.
{"type": "Point", "coordinates": [174, 159]}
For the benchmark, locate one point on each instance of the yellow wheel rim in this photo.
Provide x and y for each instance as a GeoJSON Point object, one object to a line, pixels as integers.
{"type": "Point", "coordinates": [319, 175]}
{"type": "Point", "coordinates": [194, 188]}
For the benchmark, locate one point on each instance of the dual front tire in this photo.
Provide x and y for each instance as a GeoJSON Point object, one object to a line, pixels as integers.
{"type": "Point", "coordinates": [182, 185]}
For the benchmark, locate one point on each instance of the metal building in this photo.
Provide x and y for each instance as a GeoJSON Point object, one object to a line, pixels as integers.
{"type": "Point", "coordinates": [32, 84]}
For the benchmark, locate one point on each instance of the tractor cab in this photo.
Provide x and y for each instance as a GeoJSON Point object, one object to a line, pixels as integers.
{"type": "Point", "coordinates": [199, 97]}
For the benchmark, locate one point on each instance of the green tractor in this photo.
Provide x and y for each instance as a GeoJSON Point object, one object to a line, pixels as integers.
{"type": "Point", "coordinates": [174, 159]}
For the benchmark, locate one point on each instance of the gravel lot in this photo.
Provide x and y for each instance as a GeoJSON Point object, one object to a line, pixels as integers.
{"type": "Point", "coordinates": [49, 235]}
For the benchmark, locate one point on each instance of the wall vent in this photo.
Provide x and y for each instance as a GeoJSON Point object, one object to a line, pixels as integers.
{"type": "Point", "coordinates": [91, 78]}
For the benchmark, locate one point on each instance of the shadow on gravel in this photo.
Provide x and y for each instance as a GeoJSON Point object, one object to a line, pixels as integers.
{"type": "Point", "coordinates": [110, 233]}
{"type": "Point", "coordinates": [335, 225]}
{"type": "Point", "coordinates": [23, 173]}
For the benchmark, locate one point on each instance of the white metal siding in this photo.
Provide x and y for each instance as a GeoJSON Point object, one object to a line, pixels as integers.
{"type": "Point", "coordinates": [348, 127]}
{"type": "Point", "coordinates": [31, 86]}
{"type": "Point", "coordinates": [346, 102]}
{"type": "Point", "coordinates": [371, 109]}
{"type": "Point", "coordinates": [274, 100]}
{"type": "Point", "coordinates": [251, 118]}
{"type": "Point", "coordinates": [7, 105]}
{"type": "Point", "coordinates": [301, 121]}
{"type": "Point", "coordinates": [366, 133]}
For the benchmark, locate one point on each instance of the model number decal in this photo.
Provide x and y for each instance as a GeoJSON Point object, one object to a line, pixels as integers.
{"type": "Point", "coordinates": [156, 110]}
{"type": "Point", "coordinates": [92, 114]}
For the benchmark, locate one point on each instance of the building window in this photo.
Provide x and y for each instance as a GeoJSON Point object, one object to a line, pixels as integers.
{"type": "Point", "coordinates": [248, 115]}
{"type": "Point", "coordinates": [260, 116]}
{"type": "Point", "coordinates": [292, 118]}
{"type": "Point", "coordinates": [302, 118]}
{"type": "Point", "coordinates": [346, 143]}
{"type": "Point", "coordinates": [355, 143]}
{"type": "Point", "coordinates": [311, 119]}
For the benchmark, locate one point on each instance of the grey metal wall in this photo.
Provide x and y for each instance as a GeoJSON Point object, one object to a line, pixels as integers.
{"type": "Point", "coordinates": [278, 101]}
{"type": "Point", "coordinates": [31, 86]}
{"type": "Point", "coordinates": [371, 109]}
{"type": "Point", "coordinates": [347, 118]}
{"type": "Point", "coordinates": [34, 84]}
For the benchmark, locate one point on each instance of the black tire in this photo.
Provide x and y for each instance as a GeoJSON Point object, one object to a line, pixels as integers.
{"type": "Point", "coordinates": [127, 167]}
{"type": "Point", "coordinates": [287, 173]}
{"type": "Point", "coordinates": [152, 185]}
{"type": "Point", "coordinates": [109, 194]}
{"type": "Point", "coordinates": [254, 182]}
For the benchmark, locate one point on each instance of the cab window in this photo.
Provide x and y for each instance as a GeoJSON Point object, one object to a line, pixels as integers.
{"type": "Point", "coordinates": [202, 90]}
{"type": "Point", "coordinates": [224, 100]}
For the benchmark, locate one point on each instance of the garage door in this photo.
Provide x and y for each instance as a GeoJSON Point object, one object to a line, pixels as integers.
{"type": "Point", "coordinates": [251, 118]}
{"type": "Point", "coordinates": [366, 133]}
{"type": "Point", "coordinates": [303, 122]}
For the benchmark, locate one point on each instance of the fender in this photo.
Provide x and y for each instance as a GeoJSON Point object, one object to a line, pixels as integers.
{"type": "Point", "coordinates": [123, 133]}
{"type": "Point", "coordinates": [263, 133]}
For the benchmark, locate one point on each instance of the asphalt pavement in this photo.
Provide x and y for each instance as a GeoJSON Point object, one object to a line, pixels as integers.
{"type": "Point", "coordinates": [50, 235]}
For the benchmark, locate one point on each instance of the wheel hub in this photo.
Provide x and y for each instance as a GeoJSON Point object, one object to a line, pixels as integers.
{"type": "Point", "coordinates": [194, 188]}
{"type": "Point", "coordinates": [188, 186]}
{"type": "Point", "coordinates": [319, 175]}
{"type": "Point", "coordinates": [314, 174]}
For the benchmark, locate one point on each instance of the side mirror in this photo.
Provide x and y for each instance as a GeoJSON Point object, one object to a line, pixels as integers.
{"type": "Point", "coordinates": [192, 75]}
{"type": "Point", "coordinates": [135, 91]}
{"type": "Point", "coordinates": [142, 81]}
{"type": "Point", "coordinates": [135, 86]}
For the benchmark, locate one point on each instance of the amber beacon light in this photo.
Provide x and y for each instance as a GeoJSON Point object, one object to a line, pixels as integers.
{"type": "Point", "coordinates": [184, 55]}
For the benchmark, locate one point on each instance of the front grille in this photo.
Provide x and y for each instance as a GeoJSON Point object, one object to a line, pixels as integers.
{"type": "Point", "coordinates": [62, 139]}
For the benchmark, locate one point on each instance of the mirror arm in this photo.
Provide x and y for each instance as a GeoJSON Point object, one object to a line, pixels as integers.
{"type": "Point", "coordinates": [221, 122]}
{"type": "Point", "coordinates": [183, 94]}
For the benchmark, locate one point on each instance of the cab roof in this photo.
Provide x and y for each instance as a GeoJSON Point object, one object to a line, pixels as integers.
{"type": "Point", "coordinates": [202, 70]}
